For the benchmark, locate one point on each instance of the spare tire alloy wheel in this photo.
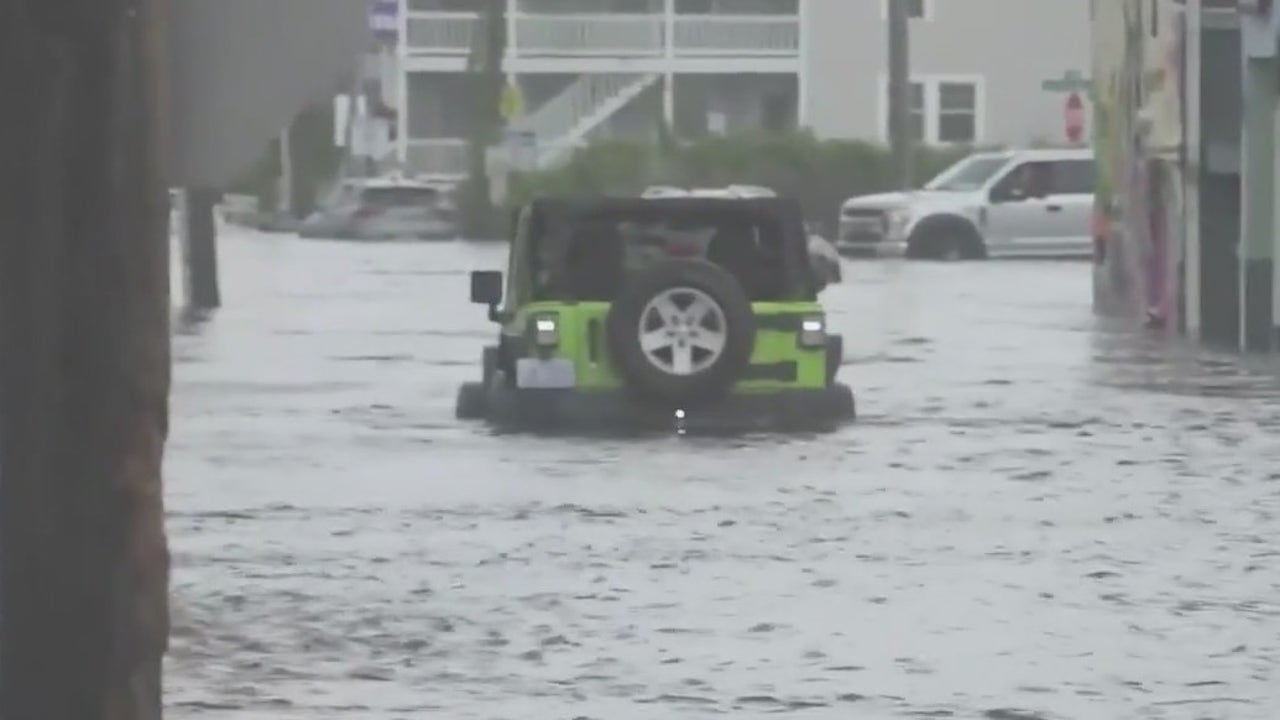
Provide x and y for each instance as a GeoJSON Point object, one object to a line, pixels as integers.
{"type": "Point", "coordinates": [683, 331]}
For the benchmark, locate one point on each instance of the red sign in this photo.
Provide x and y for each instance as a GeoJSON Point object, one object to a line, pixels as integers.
{"type": "Point", "coordinates": [1073, 115]}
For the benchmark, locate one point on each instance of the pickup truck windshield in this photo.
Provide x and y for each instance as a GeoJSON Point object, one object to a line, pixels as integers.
{"type": "Point", "coordinates": [968, 174]}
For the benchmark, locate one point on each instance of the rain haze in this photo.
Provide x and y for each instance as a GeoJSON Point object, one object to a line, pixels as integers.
{"type": "Point", "coordinates": [629, 359]}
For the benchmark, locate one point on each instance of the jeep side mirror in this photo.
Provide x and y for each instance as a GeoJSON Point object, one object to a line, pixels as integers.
{"type": "Point", "coordinates": [486, 287]}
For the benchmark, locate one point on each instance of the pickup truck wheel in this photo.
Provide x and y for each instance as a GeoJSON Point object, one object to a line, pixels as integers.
{"type": "Point", "coordinates": [946, 239]}
{"type": "Point", "coordinates": [681, 332]}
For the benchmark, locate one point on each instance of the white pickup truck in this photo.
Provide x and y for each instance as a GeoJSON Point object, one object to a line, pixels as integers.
{"type": "Point", "coordinates": [1019, 203]}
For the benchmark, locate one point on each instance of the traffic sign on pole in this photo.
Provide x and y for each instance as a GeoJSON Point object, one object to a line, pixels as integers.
{"type": "Point", "coordinates": [384, 20]}
{"type": "Point", "coordinates": [1072, 81]}
{"type": "Point", "coordinates": [512, 103]}
{"type": "Point", "coordinates": [1073, 117]}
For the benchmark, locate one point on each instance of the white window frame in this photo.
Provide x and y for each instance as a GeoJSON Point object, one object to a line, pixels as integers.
{"type": "Point", "coordinates": [929, 7]}
{"type": "Point", "coordinates": [931, 106]}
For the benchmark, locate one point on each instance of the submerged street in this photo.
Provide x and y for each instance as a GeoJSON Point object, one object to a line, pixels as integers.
{"type": "Point", "coordinates": [1035, 516]}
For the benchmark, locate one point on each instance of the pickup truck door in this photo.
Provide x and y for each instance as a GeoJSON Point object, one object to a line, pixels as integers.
{"type": "Point", "coordinates": [1070, 209]}
{"type": "Point", "coordinates": [1013, 221]}
{"type": "Point", "coordinates": [1052, 223]}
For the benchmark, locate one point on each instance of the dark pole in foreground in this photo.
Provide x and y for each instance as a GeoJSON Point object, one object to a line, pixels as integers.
{"type": "Point", "coordinates": [84, 332]}
{"type": "Point", "coordinates": [900, 138]}
{"type": "Point", "coordinates": [200, 249]}
{"type": "Point", "coordinates": [486, 80]}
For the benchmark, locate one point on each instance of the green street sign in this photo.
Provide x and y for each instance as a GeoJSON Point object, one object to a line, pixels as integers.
{"type": "Point", "coordinates": [1071, 81]}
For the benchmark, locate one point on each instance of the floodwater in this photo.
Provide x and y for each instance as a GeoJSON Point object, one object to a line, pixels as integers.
{"type": "Point", "coordinates": [1035, 518]}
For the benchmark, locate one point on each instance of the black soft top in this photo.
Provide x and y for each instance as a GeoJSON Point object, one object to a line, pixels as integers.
{"type": "Point", "coordinates": [782, 213]}
{"type": "Point", "coordinates": [782, 209]}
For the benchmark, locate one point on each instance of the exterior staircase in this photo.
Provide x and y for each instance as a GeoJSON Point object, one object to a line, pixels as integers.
{"type": "Point", "coordinates": [564, 123]}
{"type": "Point", "coordinates": [557, 127]}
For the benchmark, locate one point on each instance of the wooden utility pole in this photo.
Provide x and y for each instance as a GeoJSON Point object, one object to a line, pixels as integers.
{"type": "Point", "coordinates": [487, 81]}
{"type": "Point", "coordinates": [84, 357]}
{"type": "Point", "coordinates": [200, 249]}
{"type": "Point", "coordinates": [900, 137]}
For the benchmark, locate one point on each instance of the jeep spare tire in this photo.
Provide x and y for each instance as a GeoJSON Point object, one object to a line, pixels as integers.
{"type": "Point", "coordinates": [681, 332]}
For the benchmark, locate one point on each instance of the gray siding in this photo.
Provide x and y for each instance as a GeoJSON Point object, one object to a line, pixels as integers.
{"type": "Point", "coordinates": [1221, 101]}
{"type": "Point", "coordinates": [1013, 44]}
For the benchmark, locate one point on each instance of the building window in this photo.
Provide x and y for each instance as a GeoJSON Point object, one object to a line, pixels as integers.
{"type": "Point", "coordinates": [916, 9]}
{"type": "Point", "coordinates": [944, 110]}
{"type": "Point", "coordinates": [957, 112]}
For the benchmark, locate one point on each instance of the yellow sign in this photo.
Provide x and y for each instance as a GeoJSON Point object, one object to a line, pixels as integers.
{"type": "Point", "coordinates": [512, 105]}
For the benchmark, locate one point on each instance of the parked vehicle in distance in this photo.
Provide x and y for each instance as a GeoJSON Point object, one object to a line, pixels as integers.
{"type": "Point", "coordinates": [823, 256]}
{"type": "Point", "coordinates": [657, 313]}
{"type": "Point", "coordinates": [1018, 203]}
{"type": "Point", "coordinates": [386, 208]}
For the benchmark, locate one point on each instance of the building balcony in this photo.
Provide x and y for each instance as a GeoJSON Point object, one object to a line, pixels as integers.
{"type": "Point", "coordinates": [581, 42]}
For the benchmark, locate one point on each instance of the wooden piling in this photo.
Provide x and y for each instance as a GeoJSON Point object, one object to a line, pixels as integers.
{"type": "Point", "coordinates": [486, 81]}
{"type": "Point", "coordinates": [84, 357]}
{"type": "Point", "coordinates": [200, 249]}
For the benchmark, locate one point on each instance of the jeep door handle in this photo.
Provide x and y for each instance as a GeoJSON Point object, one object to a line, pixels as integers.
{"type": "Point", "coordinates": [1053, 208]}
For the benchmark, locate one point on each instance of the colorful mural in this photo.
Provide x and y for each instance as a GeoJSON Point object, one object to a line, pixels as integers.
{"type": "Point", "coordinates": [1138, 125]}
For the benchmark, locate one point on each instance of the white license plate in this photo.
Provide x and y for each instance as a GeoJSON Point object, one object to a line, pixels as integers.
{"type": "Point", "coordinates": [539, 374]}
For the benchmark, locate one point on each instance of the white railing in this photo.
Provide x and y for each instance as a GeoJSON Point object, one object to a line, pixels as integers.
{"type": "Point", "coordinates": [565, 121]}
{"type": "Point", "coordinates": [757, 34]}
{"type": "Point", "coordinates": [440, 33]}
{"type": "Point", "coordinates": [612, 35]}
{"type": "Point", "coordinates": [582, 98]}
{"type": "Point", "coordinates": [443, 158]}
{"type": "Point", "coordinates": [578, 35]}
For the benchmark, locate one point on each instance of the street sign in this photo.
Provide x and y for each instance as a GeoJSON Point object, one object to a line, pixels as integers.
{"type": "Point", "coordinates": [1073, 117]}
{"type": "Point", "coordinates": [384, 20]}
{"type": "Point", "coordinates": [512, 104]}
{"type": "Point", "coordinates": [1072, 81]}
{"type": "Point", "coordinates": [522, 150]}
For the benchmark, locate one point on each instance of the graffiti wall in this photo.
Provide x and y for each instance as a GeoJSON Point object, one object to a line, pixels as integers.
{"type": "Point", "coordinates": [1138, 126]}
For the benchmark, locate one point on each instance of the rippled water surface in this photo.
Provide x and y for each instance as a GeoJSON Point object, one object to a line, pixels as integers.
{"type": "Point", "coordinates": [1035, 518]}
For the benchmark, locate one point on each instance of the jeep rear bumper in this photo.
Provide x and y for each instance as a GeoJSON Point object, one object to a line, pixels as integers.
{"type": "Point", "coordinates": [617, 411]}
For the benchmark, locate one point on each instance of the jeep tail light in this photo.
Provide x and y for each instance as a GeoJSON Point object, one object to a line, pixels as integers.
{"type": "Point", "coordinates": [546, 333]}
{"type": "Point", "coordinates": [813, 332]}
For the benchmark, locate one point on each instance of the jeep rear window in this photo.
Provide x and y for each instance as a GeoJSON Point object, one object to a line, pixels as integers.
{"type": "Point", "coordinates": [588, 255]}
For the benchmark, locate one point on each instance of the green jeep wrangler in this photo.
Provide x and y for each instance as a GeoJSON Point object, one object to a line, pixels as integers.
{"type": "Point", "coordinates": [662, 312]}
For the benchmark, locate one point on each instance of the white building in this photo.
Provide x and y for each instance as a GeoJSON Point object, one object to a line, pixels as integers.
{"type": "Point", "coordinates": [595, 68]}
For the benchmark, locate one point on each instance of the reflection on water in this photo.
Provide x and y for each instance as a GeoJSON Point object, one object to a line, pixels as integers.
{"type": "Point", "coordinates": [1037, 517]}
